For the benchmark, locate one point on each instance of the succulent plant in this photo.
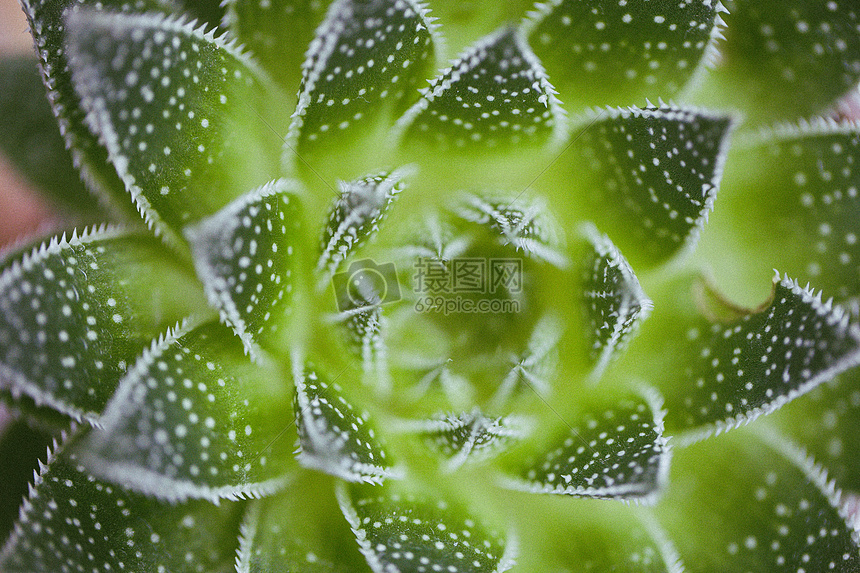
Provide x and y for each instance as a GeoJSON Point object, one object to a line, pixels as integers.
{"type": "Point", "coordinates": [336, 309]}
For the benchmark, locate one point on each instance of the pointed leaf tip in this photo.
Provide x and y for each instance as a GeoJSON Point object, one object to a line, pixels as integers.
{"type": "Point", "coordinates": [333, 437]}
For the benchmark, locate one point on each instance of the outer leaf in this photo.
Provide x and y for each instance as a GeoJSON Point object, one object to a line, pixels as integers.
{"type": "Point", "coordinates": [615, 304]}
{"type": "Point", "coordinates": [399, 535]}
{"type": "Point", "coordinates": [520, 223]}
{"type": "Point", "coordinates": [74, 522]}
{"type": "Point", "coordinates": [655, 176]}
{"type": "Point", "coordinates": [194, 419]}
{"type": "Point", "coordinates": [469, 437]}
{"type": "Point", "coordinates": [176, 109]}
{"type": "Point", "coordinates": [800, 184]}
{"type": "Point", "coordinates": [776, 510]}
{"type": "Point", "coordinates": [621, 454]}
{"type": "Point", "coordinates": [75, 312]}
{"type": "Point", "coordinates": [741, 369]}
{"type": "Point", "coordinates": [277, 32]}
{"type": "Point", "coordinates": [788, 60]}
{"type": "Point", "coordinates": [365, 55]}
{"type": "Point", "coordinates": [356, 216]}
{"type": "Point", "coordinates": [333, 438]}
{"type": "Point", "coordinates": [496, 94]}
{"type": "Point", "coordinates": [826, 423]}
{"type": "Point", "coordinates": [29, 136]}
{"type": "Point", "coordinates": [617, 53]}
{"type": "Point", "coordinates": [245, 256]}
{"type": "Point", "coordinates": [47, 25]}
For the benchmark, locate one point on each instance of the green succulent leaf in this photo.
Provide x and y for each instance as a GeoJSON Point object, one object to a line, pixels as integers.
{"type": "Point", "coordinates": [519, 222]}
{"type": "Point", "coordinates": [653, 175]}
{"type": "Point", "coordinates": [176, 108]}
{"type": "Point", "coordinates": [826, 424]}
{"type": "Point", "coordinates": [777, 511]}
{"type": "Point", "coordinates": [735, 371]}
{"type": "Point", "coordinates": [615, 304]}
{"type": "Point", "coordinates": [536, 365]}
{"type": "Point", "coordinates": [621, 454]}
{"type": "Point", "coordinates": [245, 256]}
{"type": "Point", "coordinates": [616, 53]}
{"type": "Point", "coordinates": [469, 437]}
{"type": "Point", "coordinates": [48, 27]}
{"type": "Point", "coordinates": [366, 56]}
{"type": "Point", "coordinates": [788, 60]}
{"type": "Point", "coordinates": [333, 437]}
{"type": "Point", "coordinates": [367, 337]}
{"type": "Point", "coordinates": [799, 182]}
{"type": "Point", "coordinates": [356, 216]}
{"type": "Point", "coordinates": [194, 419]}
{"type": "Point", "coordinates": [272, 538]}
{"type": "Point", "coordinates": [277, 32]}
{"type": "Point", "coordinates": [30, 140]}
{"type": "Point", "coordinates": [74, 313]}
{"type": "Point", "coordinates": [496, 94]}
{"type": "Point", "coordinates": [398, 534]}
{"type": "Point", "coordinates": [75, 522]}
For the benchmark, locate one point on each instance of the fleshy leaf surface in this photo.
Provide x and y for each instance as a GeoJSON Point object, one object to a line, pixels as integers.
{"type": "Point", "coordinates": [655, 176]}
{"type": "Point", "coordinates": [496, 94]}
{"type": "Point", "coordinates": [615, 304]}
{"type": "Point", "coordinates": [245, 255]}
{"type": "Point", "coordinates": [277, 32]}
{"type": "Point", "coordinates": [282, 533]}
{"type": "Point", "coordinates": [752, 365]}
{"type": "Point", "coordinates": [176, 108]}
{"type": "Point", "coordinates": [366, 330]}
{"type": "Point", "coordinates": [621, 454]}
{"type": "Point", "coordinates": [617, 53]}
{"type": "Point", "coordinates": [356, 215]}
{"type": "Point", "coordinates": [786, 60]}
{"type": "Point", "coordinates": [193, 418]}
{"type": "Point", "coordinates": [777, 510]}
{"type": "Point", "coordinates": [48, 27]}
{"type": "Point", "coordinates": [333, 437]}
{"type": "Point", "coordinates": [826, 423]}
{"type": "Point", "coordinates": [800, 184]}
{"type": "Point", "coordinates": [75, 522]}
{"type": "Point", "coordinates": [74, 313]}
{"type": "Point", "coordinates": [365, 55]}
{"type": "Point", "coordinates": [469, 437]}
{"type": "Point", "coordinates": [398, 534]}
{"type": "Point", "coordinates": [520, 223]}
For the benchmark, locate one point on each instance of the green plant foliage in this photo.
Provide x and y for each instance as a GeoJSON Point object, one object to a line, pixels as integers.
{"type": "Point", "coordinates": [780, 513]}
{"type": "Point", "coordinates": [373, 321]}
{"type": "Point", "coordinates": [245, 258]}
{"type": "Point", "coordinates": [621, 454]}
{"type": "Point", "coordinates": [102, 315]}
{"type": "Point", "coordinates": [401, 534]}
{"type": "Point", "coordinates": [614, 53]}
{"type": "Point", "coordinates": [182, 160]}
{"type": "Point", "coordinates": [193, 419]}
{"type": "Point", "coordinates": [72, 519]}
